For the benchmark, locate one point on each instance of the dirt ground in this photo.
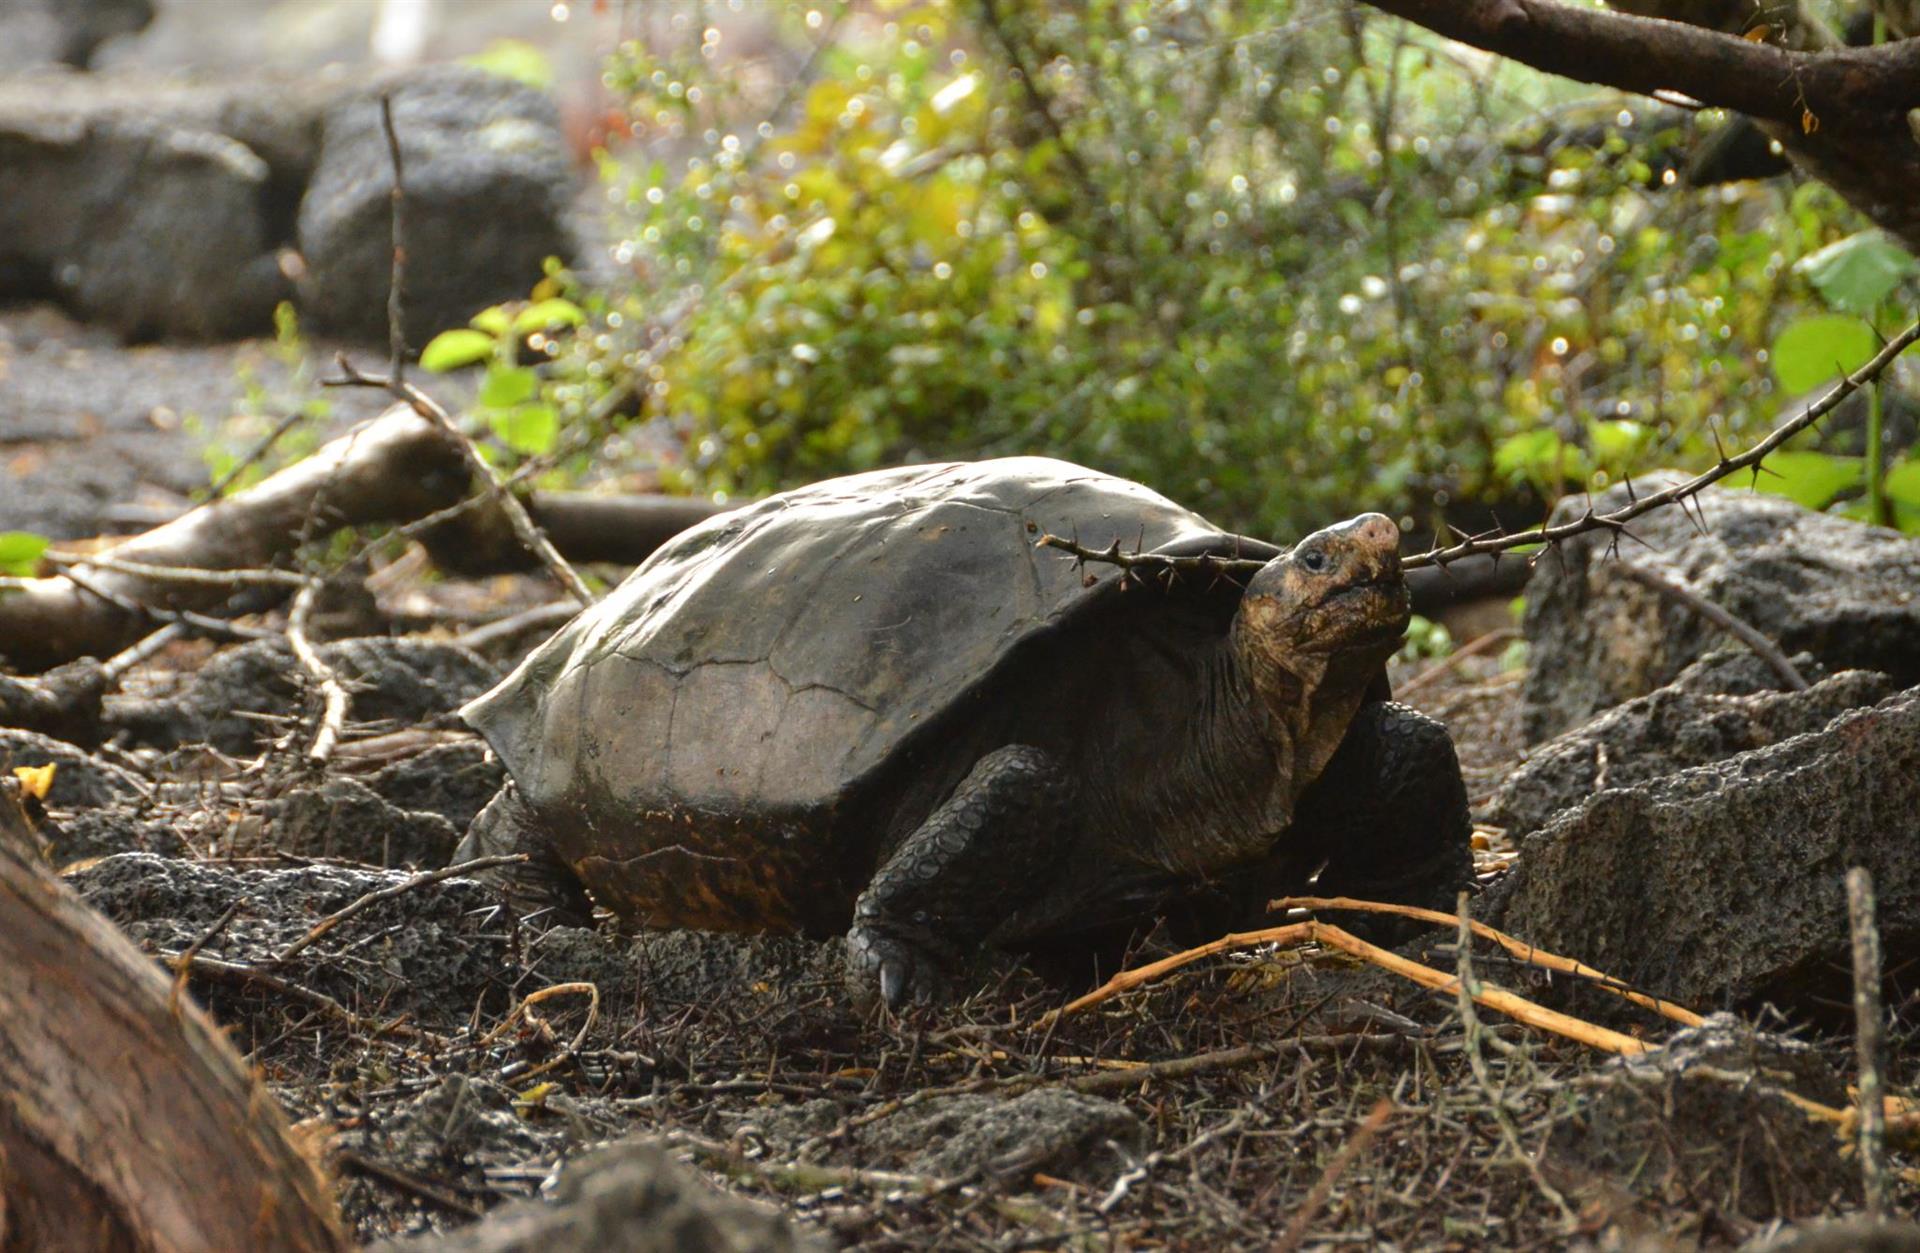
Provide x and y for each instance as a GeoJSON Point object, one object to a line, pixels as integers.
{"type": "Point", "coordinates": [454, 1056]}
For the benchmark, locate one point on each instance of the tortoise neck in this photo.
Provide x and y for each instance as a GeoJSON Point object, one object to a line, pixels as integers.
{"type": "Point", "coordinates": [1232, 765]}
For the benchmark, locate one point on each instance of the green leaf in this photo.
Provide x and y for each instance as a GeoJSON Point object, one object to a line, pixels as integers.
{"type": "Point", "coordinates": [516, 59]}
{"type": "Point", "coordinates": [449, 350]}
{"type": "Point", "coordinates": [1857, 273]}
{"type": "Point", "coordinates": [1902, 483]}
{"type": "Point", "coordinates": [1812, 479]}
{"type": "Point", "coordinates": [528, 429]}
{"type": "Point", "coordinates": [508, 386]}
{"type": "Point", "coordinates": [1529, 452]}
{"type": "Point", "coordinates": [1812, 350]}
{"type": "Point", "coordinates": [494, 320]}
{"type": "Point", "coordinates": [1616, 444]}
{"type": "Point", "coordinates": [20, 552]}
{"type": "Point", "coordinates": [542, 314]}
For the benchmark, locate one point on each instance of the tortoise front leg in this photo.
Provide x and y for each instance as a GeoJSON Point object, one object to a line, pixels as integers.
{"type": "Point", "coordinates": [543, 885]}
{"type": "Point", "coordinates": [971, 863]}
{"type": "Point", "coordinates": [1391, 813]}
{"type": "Point", "coordinates": [1387, 820]}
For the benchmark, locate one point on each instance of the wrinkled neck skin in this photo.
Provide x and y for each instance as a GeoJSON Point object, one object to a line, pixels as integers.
{"type": "Point", "coordinates": [1231, 778]}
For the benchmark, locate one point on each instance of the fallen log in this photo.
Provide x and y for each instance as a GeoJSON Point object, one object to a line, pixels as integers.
{"type": "Point", "coordinates": [127, 1122]}
{"type": "Point", "coordinates": [397, 468]}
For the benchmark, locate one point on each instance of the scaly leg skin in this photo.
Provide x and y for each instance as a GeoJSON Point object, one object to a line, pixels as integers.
{"type": "Point", "coordinates": [974, 859]}
{"type": "Point", "coordinates": [1389, 814]}
{"type": "Point", "coordinates": [543, 885]}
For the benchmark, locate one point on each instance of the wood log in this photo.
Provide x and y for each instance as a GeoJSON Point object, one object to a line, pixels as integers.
{"type": "Point", "coordinates": [127, 1122]}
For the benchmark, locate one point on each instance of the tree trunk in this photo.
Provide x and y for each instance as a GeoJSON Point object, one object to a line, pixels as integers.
{"type": "Point", "coordinates": [127, 1122]}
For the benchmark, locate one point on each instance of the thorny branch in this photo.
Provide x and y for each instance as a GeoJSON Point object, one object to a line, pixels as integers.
{"type": "Point", "coordinates": [1152, 565]}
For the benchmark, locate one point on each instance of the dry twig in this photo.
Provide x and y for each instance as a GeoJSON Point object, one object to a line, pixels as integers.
{"type": "Point", "coordinates": [1146, 564]}
{"type": "Point", "coordinates": [1869, 1027]}
{"type": "Point", "coordinates": [1519, 948]}
{"type": "Point", "coordinates": [335, 699]}
{"type": "Point", "coordinates": [1518, 1007]}
{"type": "Point", "coordinates": [1469, 991]}
{"type": "Point", "coordinates": [523, 525]}
{"type": "Point", "coordinates": [1678, 592]}
{"type": "Point", "coordinates": [373, 898]}
{"type": "Point", "coordinates": [1296, 1233]}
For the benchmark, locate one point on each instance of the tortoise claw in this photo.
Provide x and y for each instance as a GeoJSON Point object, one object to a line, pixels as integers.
{"type": "Point", "coordinates": [907, 973]}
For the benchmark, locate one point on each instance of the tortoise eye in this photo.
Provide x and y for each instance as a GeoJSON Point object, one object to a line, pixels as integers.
{"type": "Point", "coordinates": [1314, 560]}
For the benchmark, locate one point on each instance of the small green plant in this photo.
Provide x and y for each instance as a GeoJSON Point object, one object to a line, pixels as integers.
{"type": "Point", "coordinates": [20, 553]}
{"type": "Point", "coordinates": [296, 406]}
{"type": "Point", "coordinates": [1856, 277]}
{"type": "Point", "coordinates": [511, 401]}
{"type": "Point", "coordinates": [1425, 639]}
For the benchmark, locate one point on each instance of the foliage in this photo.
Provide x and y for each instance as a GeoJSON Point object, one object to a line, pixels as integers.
{"type": "Point", "coordinates": [510, 401]}
{"type": "Point", "coordinates": [1858, 275]}
{"type": "Point", "coordinates": [1281, 259]}
{"type": "Point", "coordinates": [263, 407]}
{"type": "Point", "coordinates": [20, 553]}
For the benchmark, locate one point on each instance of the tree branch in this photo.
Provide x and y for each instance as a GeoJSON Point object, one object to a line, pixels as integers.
{"type": "Point", "coordinates": [1852, 87]}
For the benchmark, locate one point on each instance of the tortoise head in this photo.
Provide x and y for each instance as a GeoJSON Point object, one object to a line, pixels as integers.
{"type": "Point", "coordinates": [1330, 610]}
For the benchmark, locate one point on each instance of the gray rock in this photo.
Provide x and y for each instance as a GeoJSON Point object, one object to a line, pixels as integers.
{"type": "Point", "coordinates": [345, 818]}
{"type": "Point", "coordinates": [453, 780]}
{"type": "Point", "coordinates": [1705, 1124]}
{"type": "Point", "coordinates": [629, 1197]}
{"type": "Point", "coordinates": [1723, 882]}
{"type": "Point", "coordinates": [433, 952]}
{"type": "Point", "coordinates": [42, 32]}
{"type": "Point", "coordinates": [488, 185]}
{"type": "Point", "coordinates": [146, 219]}
{"type": "Point", "coordinates": [80, 780]}
{"type": "Point", "coordinates": [162, 206]}
{"type": "Point", "coordinates": [402, 682]}
{"type": "Point", "coordinates": [1056, 1130]}
{"type": "Point", "coordinates": [1846, 593]}
{"type": "Point", "coordinates": [1687, 723]}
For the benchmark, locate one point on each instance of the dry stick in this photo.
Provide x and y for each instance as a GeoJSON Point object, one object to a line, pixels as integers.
{"type": "Point", "coordinates": [252, 456]}
{"type": "Point", "coordinates": [1751, 459]}
{"type": "Point", "coordinates": [1508, 1003]}
{"type": "Point", "coordinates": [1296, 1233]}
{"type": "Point", "coordinates": [116, 666]}
{"type": "Point", "coordinates": [1452, 661]}
{"type": "Point", "coordinates": [396, 331]}
{"type": "Point", "coordinates": [373, 898]}
{"type": "Point", "coordinates": [65, 561]}
{"type": "Point", "coordinates": [1469, 992]}
{"type": "Point", "coordinates": [1519, 948]}
{"type": "Point", "coordinates": [538, 618]}
{"type": "Point", "coordinates": [517, 517]}
{"type": "Point", "coordinates": [1680, 593]}
{"type": "Point", "coordinates": [333, 714]}
{"type": "Point", "coordinates": [1868, 1026]}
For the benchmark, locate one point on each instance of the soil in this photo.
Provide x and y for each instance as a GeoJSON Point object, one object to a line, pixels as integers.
{"type": "Point", "coordinates": [456, 1055]}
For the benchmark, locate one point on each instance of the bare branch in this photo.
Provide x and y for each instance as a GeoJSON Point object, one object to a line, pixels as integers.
{"type": "Point", "coordinates": [396, 329]}
{"type": "Point", "coordinates": [1145, 565]}
{"type": "Point", "coordinates": [1868, 88]}
{"type": "Point", "coordinates": [333, 714]}
{"type": "Point", "coordinates": [523, 525]}
{"type": "Point", "coordinates": [1869, 1029]}
{"type": "Point", "coordinates": [1680, 593]}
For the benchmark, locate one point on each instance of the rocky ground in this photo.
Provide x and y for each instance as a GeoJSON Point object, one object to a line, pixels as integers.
{"type": "Point", "coordinates": [455, 1055]}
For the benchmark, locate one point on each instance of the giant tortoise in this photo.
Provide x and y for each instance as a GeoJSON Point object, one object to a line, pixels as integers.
{"type": "Point", "coordinates": [872, 705]}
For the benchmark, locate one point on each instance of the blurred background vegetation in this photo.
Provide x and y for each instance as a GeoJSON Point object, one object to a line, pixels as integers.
{"type": "Point", "coordinates": [1280, 259]}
